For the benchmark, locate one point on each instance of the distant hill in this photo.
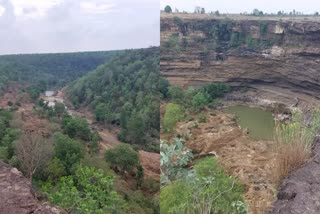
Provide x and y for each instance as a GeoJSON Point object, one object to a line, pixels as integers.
{"type": "Point", "coordinates": [52, 70]}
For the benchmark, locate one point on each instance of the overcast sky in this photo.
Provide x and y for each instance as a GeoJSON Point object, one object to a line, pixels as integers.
{"type": "Point", "coordinates": [237, 6]}
{"type": "Point", "coordinates": [38, 26]}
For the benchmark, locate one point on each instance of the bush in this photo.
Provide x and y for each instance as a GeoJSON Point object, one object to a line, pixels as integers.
{"type": "Point", "coordinates": [210, 190]}
{"type": "Point", "coordinates": [173, 114]}
{"type": "Point", "coordinates": [173, 160]}
{"type": "Point", "coordinates": [89, 191]}
{"type": "Point", "coordinates": [176, 93]}
{"type": "Point", "coordinates": [123, 157]}
{"type": "Point", "coordinates": [199, 101]}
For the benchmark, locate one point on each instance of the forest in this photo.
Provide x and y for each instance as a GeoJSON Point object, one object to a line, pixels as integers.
{"type": "Point", "coordinates": [124, 92]}
{"type": "Point", "coordinates": [48, 71]}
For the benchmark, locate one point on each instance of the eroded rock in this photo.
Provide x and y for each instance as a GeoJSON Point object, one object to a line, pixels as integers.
{"type": "Point", "coordinates": [17, 196]}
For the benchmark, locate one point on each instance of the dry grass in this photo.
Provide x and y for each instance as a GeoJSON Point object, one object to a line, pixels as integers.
{"type": "Point", "coordinates": [293, 144]}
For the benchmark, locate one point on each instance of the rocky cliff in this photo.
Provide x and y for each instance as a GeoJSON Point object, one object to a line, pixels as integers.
{"type": "Point", "coordinates": [244, 51]}
{"type": "Point", "coordinates": [16, 195]}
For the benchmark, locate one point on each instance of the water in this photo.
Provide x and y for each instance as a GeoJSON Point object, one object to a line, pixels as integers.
{"type": "Point", "coordinates": [49, 93]}
{"type": "Point", "coordinates": [259, 122]}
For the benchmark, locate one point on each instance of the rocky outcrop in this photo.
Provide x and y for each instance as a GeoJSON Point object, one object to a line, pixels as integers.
{"type": "Point", "coordinates": [245, 52]}
{"type": "Point", "coordinates": [300, 192]}
{"type": "Point", "coordinates": [16, 195]}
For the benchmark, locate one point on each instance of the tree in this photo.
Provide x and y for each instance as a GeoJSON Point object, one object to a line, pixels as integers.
{"type": "Point", "coordinates": [135, 128]}
{"type": "Point", "coordinates": [176, 93]}
{"type": "Point", "coordinates": [173, 114]}
{"type": "Point", "coordinates": [197, 9]}
{"type": "Point", "coordinates": [199, 101]}
{"type": "Point", "coordinates": [89, 191]}
{"type": "Point", "coordinates": [256, 12]}
{"type": "Point", "coordinates": [163, 87]}
{"type": "Point", "coordinates": [59, 109]}
{"type": "Point", "coordinates": [203, 11]}
{"type": "Point", "coordinates": [167, 9]}
{"type": "Point", "coordinates": [67, 150]}
{"type": "Point", "coordinates": [77, 127]}
{"type": "Point", "coordinates": [33, 152]}
{"type": "Point", "coordinates": [123, 157]}
{"type": "Point", "coordinates": [217, 13]}
{"type": "Point", "coordinates": [55, 169]}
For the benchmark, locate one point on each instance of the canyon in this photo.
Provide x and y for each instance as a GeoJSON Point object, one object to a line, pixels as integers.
{"type": "Point", "coordinates": [270, 62]}
{"type": "Point", "coordinates": [274, 57]}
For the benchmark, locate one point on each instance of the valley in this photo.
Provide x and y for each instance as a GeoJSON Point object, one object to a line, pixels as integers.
{"type": "Point", "coordinates": [51, 141]}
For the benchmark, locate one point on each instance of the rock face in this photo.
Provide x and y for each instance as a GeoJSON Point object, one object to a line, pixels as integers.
{"type": "Point", "coordinates": [300, 192]}
{"type": "Point", "coordinates": [245, 52]}
{"type": "Point", "coordinates": [16, 195]}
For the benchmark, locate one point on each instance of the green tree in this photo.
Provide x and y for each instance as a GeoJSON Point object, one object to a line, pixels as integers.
{"type": "Point", "coordinates": [55, 169]}
{"type": "Point", "coordinates": [176, 93]}
{"type": "Point", "coordinates": [59, 109]}
{"type": "Point", "coordinates": [67, 150]}
{"type": "Point", "coordinates": [90, 191]}
{"type": "Point", "coordinates": [163, 87]}
{"type": "Point", "coordinates": [167, 9]}
{"type": "Point", "coordinates": [135, 128]}
{"type": "Point", "coordinates": [124, 157]}
{"type": "Point", "coordinates": [77, 127]}
{"type": "Point", "coordinates": [199, 101]}
{"type": "Point", "coordinates": [173, 114]}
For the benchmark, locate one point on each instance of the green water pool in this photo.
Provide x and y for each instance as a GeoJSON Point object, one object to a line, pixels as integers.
{"type": "Point", "coordinates": [259, 122]}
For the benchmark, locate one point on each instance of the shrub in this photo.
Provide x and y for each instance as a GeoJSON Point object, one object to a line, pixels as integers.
{"type": "Point", "coordinates": [89, 191]}
{"type": "Point", "coordinates": [202, 118]}
{"type": "Point", "coordinates": [123, 157]}
{"type": "Point", "coordinates": [173, 114]}
{"type": "Point", "coordinates": [210, 190]}
{"type": "Point", "coordinates": [199, 101]}
{"type": "Point", "coordinates": [173, 160]}
{"type": "Point", "coordinates": [176, 93]}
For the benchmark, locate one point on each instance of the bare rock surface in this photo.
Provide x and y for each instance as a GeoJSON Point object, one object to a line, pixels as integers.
{"type": "Point", "coordinates": [300, 192]}
{"type": "Point", "coordinates": [16, 195]}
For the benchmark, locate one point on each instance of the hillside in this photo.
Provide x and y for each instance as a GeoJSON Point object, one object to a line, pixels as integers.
{"type": "Point", "coordinates": [49, 70]}
{"type": "Point", "coordinates": [124, 92]}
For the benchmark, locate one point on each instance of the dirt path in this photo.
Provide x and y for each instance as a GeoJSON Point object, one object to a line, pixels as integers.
{"type": "Point", "coordinates": [247, 159]}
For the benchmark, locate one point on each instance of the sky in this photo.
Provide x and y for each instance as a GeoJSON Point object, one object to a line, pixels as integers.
{"type": "Point", "coordinates": [49, 26]}
{"type": "Point", "coordinates": [240, 6]}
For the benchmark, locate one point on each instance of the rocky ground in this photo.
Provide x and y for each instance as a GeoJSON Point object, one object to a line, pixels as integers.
{"type": "Point", "coordinates": [17, 196]}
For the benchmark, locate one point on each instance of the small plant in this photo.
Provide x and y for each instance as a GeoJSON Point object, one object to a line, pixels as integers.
{"type": "Point", "coordinates": [173, 160]}
{"type": "Point", "coordinates": [202, 118]}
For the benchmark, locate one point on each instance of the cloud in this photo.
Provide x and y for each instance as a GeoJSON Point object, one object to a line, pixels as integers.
{"type": "Point", "coordinates": [91, 7]}
{"type": "Point", "coordinates": [74, 25]}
